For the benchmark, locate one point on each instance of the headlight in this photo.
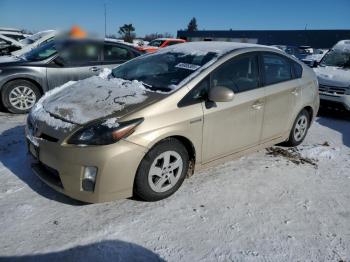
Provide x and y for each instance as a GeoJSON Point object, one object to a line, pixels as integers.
{"type": "Point", "coordinates": [104, 133]}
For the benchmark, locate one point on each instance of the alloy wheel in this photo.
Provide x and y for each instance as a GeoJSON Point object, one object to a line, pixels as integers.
{"type": "Point", "coordinates": [300, 128]}
{"type": "Point", "coordinates": [165, 171]}
{"type": "Point", "coordinates": [22, 97]}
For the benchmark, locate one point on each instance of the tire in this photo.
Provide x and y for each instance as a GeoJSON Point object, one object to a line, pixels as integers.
{"type": "Point", "coordinates": [154, 180]}
{"type": "Point", "coordinates": [19, 96]}
{"type": "Point", "coordinates": [299, 130]}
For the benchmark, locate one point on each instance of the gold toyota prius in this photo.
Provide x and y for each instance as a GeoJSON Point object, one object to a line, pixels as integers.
{"type": "Point", "coordinates": [149, 123]}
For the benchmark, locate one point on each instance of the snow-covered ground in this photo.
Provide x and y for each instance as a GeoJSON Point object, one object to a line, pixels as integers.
{"type": "Point", "coordinates": [262, 207]}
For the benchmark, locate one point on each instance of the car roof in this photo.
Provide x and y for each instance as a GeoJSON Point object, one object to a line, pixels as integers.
{"type": "Point", "coordinates": [220, 48]}
{"type": "Point", "coordinates": [172, 39]}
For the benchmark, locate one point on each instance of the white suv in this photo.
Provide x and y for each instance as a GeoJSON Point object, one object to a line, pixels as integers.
{"type": "Point", "coordinates": [333, 73]}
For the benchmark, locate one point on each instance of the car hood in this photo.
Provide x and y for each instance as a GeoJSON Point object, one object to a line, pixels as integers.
{"type": "Point", "coordinates": [10, 60]}
{"type": "Point", "coordinates": [333, 76]}
{"type": "Point", "coordinates": [94, 98]}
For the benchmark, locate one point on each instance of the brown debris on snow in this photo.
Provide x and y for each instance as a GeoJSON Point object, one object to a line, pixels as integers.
{"type": "Point", "coordinates": [290, 154]}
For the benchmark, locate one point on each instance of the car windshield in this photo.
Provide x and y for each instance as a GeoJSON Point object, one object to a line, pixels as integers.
{"type": "Point", "coordinates": [42, 52]}
{"type": "Point", "coordinates": [156, 43]}
{"type": "Point", "coordinates": [162, 71]}
{"type": "Point", "coordinates": [336, 58]}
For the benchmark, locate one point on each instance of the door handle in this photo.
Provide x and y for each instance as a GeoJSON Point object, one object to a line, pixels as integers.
{"type": "Point", "coordinates": [258, 105]}
{"type": "Point", "coordinates": [94, 69]}
{"type": "Point", "coordinates": [295, 92]}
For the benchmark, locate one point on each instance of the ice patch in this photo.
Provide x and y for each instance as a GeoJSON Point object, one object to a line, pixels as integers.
{"type": "Point", "coordinates": [105, 73]}
{"type": "Point", "coordinates": [111, 123]}
{"type": "Point", "coordinates": [318, 152]}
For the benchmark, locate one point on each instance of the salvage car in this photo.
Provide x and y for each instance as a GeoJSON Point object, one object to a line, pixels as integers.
{"type": "Point", "coordinates": [24, 79]}
{"type": "Point", "coordinates": [333, 74]}
{"type": "Point", "coordinates": [160, 116]}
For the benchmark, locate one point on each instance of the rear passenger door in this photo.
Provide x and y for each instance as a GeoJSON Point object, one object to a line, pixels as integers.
{"type": "Point", "coordinates": [115, 54]}
{"type": "Point", "coordinates": [282, 90]}
{"type": "Point", "coordinates": [236, 125]}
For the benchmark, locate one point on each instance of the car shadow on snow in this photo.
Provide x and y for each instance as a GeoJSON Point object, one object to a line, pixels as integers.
{"type": "Point", "coordinates": [336, 119]}
{"type": "Point", "coordinates": [15, 157]}
{"type": "Point", "coordinates": [111, 250]}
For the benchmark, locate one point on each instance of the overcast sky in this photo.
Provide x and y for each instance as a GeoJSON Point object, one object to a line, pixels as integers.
{"type": "Point", "coordinates": [169, 16]}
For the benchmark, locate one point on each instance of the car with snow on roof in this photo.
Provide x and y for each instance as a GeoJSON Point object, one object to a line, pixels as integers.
{"type": "Point", "coordinates": [155, 119]}
{"type": "Point", "coordinates": [333, 73]}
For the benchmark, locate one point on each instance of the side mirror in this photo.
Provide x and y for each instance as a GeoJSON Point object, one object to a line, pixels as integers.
{"type": "Point", "coordinates": [59, 61]}
{"type": "Point", "coordinates": [313, 63]}
{"type": "Point", "coordinates": [220, 94]}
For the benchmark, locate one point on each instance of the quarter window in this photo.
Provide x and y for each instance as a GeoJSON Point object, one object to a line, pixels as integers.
{"type": "Point", "coordinates": [276, 69]}
{"type": "Point", "coordinates": [240, 74]}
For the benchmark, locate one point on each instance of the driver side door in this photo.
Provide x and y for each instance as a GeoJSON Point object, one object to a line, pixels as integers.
{"type": "Point", "coordinates": [77, 62]}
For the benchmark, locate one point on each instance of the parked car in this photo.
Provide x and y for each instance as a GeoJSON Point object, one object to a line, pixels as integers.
{"type": "Point", "coordinates": [333, 73]}
{"type": "Point", "coordinates": [160, 116]}
{"type": "Point", "coordinates": [297, 52]}
{"type": "Point", "coordinates": [34, 41]}
{"type": "Point", "coordinates": [24, 79]}
{"type": "Point", "coordinates": [13, 33]}
{"type": "Point", "coordinates": [8, 45]}
{"type": "Point", "coordinates": [154, 45]}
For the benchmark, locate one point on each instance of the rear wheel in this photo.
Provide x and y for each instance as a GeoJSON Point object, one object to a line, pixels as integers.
{"type": "Point", "coordinates": [19, 96]}
{"type": "Point", "coordinates": [299, 129]}
{"type": "Point", "coordinates": [162, 170]}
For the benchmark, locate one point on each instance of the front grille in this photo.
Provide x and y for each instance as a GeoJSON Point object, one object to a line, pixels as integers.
{"type": "Point", "coordinates": [48, 174]}
{"type": "Point", "coordinates": [332, 90]}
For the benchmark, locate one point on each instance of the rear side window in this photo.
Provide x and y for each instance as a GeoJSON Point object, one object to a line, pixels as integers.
{"type": "Point", "coordinates": [240, 74]}
{"type": "Point", "coordinates": [298, 70]}
{"type": "Point", "coordinates": [276, 69]}
{"type": "Point", "coordinates": [173, 43]}
{"type": "Point", "coordinates": [116, 53]}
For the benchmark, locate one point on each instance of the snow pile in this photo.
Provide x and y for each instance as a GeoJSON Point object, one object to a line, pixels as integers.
{"type": "Point", "coordinates": [318, 152]}
{"type": "Point", "coordinates": [111, 122]}
{"type": "Point", "coordinates": [93, 98]}
{"type": "Point", "coordinates": [39, 114]}
{"type": "Point", "coordinates": [203, 48]}
{"type": "Point", "coordinates": [105, 73]}
{"type": "Point", "coordinates": [343, 45]}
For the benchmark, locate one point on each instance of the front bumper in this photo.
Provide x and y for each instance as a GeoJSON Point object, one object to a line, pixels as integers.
{"type": "Point", "coordinates": [62, 167]}
{"type": "Point", "coordinates": [341, 99]}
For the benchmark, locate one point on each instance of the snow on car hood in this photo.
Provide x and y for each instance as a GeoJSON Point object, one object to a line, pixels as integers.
{"type": "Point", "coordinates": [333, 76]}
{"type": "Point", "coordinates": [93, 98]}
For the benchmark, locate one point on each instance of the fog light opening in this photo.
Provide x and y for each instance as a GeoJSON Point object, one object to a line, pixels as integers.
{"type": "Point", "coordinates": [89, 178]}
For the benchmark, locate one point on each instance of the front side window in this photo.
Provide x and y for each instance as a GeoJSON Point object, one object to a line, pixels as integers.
{"type": "Point", "coordinates": [81, 53]}
{"type": "Point", "coordinates": [116, 53]}
{"type": "Point", "coordinates": [276, 69]}
{"type": "Point", "coordinates": [163, 71]}
{"type": "Point", "coordinates": [240, 74]}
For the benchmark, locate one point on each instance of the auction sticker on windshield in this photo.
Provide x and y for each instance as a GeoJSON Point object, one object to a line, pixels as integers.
{"type": "Point", "coordinates": [187, 66]}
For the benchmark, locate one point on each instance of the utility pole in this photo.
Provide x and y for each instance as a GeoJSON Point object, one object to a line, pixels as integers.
{"type": "Point", "coordinates": [105, 20]}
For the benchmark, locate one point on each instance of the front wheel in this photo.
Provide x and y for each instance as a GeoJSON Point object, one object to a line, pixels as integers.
{"type": "Point", "coordinates": [162, 170]}
{"type": "Point", "coordinates": [299, 129]}
{"type": "Point", "coordinates": [19, 96]}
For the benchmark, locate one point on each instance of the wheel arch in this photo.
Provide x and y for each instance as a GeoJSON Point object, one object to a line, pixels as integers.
{"type": "Point", "coordinates": [36, 83]}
